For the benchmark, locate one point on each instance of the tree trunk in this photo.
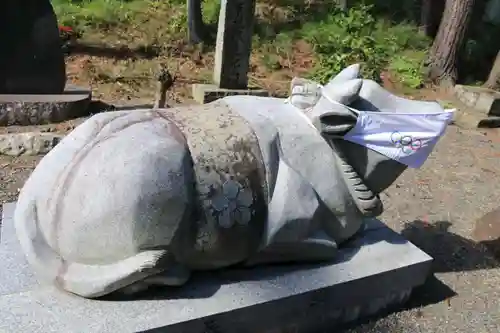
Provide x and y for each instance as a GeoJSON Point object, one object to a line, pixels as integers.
{"type": "Point", "coordinates": [449, 41]}
{"type": "Point", "coordinates": [430, 16]}
{"type": "Point", "coordinates": [493, 81]}
{"type": "Point", "coordinates": [196, 26]}
{"type": "Point", "coordinates": [342, 4]}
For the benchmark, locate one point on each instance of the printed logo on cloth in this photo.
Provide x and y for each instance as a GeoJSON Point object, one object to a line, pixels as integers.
{"type": "Point", "coordinates": [407, 143]}
{"type": "Point", "coordinates": [408, 138]}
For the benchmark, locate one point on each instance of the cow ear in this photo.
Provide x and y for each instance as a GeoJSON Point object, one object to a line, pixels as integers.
{"type": "Point", "coordinates": [349, 73]}
{"type": "Point", "coordinates": [344, 93]}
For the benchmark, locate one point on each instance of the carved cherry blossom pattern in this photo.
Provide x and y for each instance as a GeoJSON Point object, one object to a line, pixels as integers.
{"type": "Point", "coordinates": [233, 204]}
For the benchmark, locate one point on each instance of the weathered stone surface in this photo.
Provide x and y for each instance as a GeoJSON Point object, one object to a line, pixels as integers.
{"type": "Point", "coordinates": [376, 269]}
{"type": "Point", "coordinates": [31, 58]}
{"type": "Point", "coordinates": [234, 43]}
{"type": "Point", "coordinates": [15, 274]}
{"type": "Point", "coordinates": [241, 181]}
{"type": "Point", "coordinates": [485, 101]}
{"type": "Point", "coordinates": [32, 143]}
{"type": "Point", "coordinates": [206, 93]}
{"type": "Point", "coordinates": [43, 109]}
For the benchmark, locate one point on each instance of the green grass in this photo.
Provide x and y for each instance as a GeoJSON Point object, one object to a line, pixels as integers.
{"type": "Point", "coordinates": [97, 13]}
{"type": "Point", "coordinates": [338, 39]}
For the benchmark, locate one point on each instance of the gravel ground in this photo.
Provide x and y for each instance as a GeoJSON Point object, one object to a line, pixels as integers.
{"type": "Point", "coordinates": [435, 207]}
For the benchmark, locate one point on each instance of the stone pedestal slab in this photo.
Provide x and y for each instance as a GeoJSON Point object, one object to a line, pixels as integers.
{"type": "Point", "coordinates": [206, 93]}
{"type": "Point", "coordinates": [24, 109]}
{"type": "Point", "coordinates": [483, 100]}
{"type": "Point", "coordinates": [377, 269]}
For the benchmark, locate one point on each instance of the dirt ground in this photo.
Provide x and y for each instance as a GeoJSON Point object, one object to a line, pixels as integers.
{"type": "Point", "coordinates": [435, 207]}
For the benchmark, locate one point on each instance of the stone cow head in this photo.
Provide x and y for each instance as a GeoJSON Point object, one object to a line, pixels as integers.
{"type": "Point", "coordinates": [370, 171]}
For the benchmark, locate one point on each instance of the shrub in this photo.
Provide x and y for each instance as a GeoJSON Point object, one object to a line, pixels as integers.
{"type": "Point", "coordinates": [409, 69]}
{"type": "Point", "coordinates": [355, 36]}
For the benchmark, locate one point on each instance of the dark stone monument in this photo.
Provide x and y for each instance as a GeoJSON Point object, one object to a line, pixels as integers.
{"type": "Point", "coordinates": [32, 69]}
{"type": "Point", "coordinates": [31, 58]}
{"type": "Point", "coordinates": [196, 26]}
{"type": "Point", "coordinates": [232, 53]}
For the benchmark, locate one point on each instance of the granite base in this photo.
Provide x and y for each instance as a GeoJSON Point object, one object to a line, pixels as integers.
{"type": "Point", "coordinates": [485, 101]}
{"type": "Point", "coordinates": [24, 109]}
{"type": "Point", "coordinates": [378, 268]}
{"type": "Point", "coordinates": [206, 93]}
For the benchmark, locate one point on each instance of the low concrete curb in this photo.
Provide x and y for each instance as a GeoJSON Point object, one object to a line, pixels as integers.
{"type": "Point", "coordinates": [44, 109]}
{"type": "Point", "coordinates": [485, 101]}
{"type": "Point", "coordinates": [40, 143]}
{"type": "Point", "coordinates": [206, 93]}
{"type": "Point", "coordinates": [30, 143]}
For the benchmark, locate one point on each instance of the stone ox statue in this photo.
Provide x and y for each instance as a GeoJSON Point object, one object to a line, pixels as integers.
{"type": "Point", "coordinates": [132, 199]}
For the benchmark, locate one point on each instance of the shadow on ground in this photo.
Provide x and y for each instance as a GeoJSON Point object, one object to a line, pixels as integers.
{"type": "Point", "coordinates": [433, 291]}
{"type": "Point", "coordinates": [451, 253]}
{"type": "Point", "coordinates": [487, 231]}
{"type": "Point", "coordinates": [119, 53]}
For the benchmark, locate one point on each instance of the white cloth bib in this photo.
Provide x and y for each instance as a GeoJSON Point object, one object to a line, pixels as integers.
{"type": "Point", "coordinates": [408, 138]}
